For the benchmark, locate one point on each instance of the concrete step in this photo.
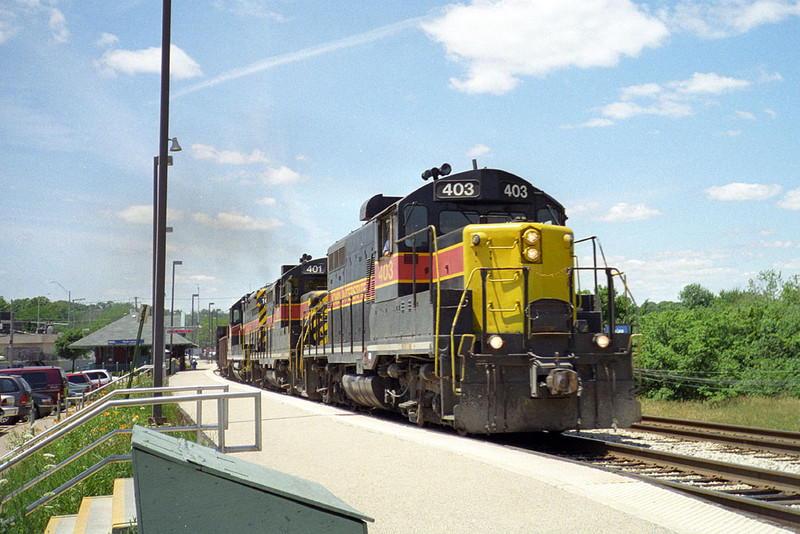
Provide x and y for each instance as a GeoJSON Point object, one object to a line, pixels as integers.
{"type": "Point", "coordinates": [100, 515]}
{"type": "Point", "coordinates": [123, 510]}
{"type": "Point", "coordinates": [61, 524]}
{"type": "Point", "coordinates": [94, 515]}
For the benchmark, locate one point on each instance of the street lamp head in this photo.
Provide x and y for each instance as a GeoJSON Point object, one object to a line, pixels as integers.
{"type": "Point", "coordinates": [177, 262]}
{"type": "Point", "coordinates": [175, 146]}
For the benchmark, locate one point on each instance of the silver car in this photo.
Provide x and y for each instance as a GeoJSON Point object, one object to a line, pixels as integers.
{"type": "Point", "coordinates": [14, 393]}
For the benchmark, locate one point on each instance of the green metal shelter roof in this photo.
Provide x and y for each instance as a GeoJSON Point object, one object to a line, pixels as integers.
{"type": "Point", "coordinates": [123, 332]}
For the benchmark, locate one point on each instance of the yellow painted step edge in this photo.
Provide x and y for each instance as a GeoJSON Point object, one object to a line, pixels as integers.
{"type": "Point", "coordinates": [56, 520]}
{"type": "Point", "coordinates": [121, 517]}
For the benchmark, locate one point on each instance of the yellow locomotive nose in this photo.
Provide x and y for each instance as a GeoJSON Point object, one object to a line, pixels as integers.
{"type": "Point", "coordinates": [519, 260]}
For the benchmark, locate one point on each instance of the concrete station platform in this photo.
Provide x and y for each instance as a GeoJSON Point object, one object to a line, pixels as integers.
{"type": "Point", "coordinates": [416, 480]}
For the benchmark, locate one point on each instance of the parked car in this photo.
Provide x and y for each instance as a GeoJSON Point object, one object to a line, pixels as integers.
{"type": "Point", "coordinates": [21, 397]}
{"type": "Point", "coordinates": [101, 377]}
{"type": "Point", "coordinates": [79, 383]}
{"type": "Point", "coordinates": [43, 404]}
{"type": "Point", "coordinates": [8, 409]}
{"type": "Point", "coordinates": [50, 381]}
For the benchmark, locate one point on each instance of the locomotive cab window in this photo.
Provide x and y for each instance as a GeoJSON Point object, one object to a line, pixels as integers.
{"type": "Point", "coordinates": [548, 215]}
{"type": "Point", "coordinates": [386, 235]}
{"type": "Point", "coordinates": [416, 218]}
{"type": "Point", "coordinates": [450, 220]}
{"type": "Point", "coordinates": [502, 217]}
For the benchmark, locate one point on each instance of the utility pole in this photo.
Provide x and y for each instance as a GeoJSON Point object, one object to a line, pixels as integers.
{"type": "Point", "coordinates": [11, 334]}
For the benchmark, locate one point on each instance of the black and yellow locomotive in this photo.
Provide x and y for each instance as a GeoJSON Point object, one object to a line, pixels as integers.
{"type": "Point", "coordinates": [457, 305]}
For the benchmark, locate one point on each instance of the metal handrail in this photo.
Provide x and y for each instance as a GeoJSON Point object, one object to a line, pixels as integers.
{"type": "Point", "coordinates": [222, 424]}
{"type": "Point", "coordinates": [86, 397]}
{"type": "Point", "coordinates": [66, 421]}
{"type": "Point", "coordinates": [96, 409]}
{"type": "Point", "coordinates": [49, 496]}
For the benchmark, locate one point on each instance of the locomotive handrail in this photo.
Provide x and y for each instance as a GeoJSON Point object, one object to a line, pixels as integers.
{"type": "Point", "coordinates": [435, 257]}
{"type": "Point", "coordinates": [453, 354]}
{"type": "Point", "coordinates": [503, 310]}
{"type": "Point", "coordinates": [512, 246]}
{"type": "Point", "coordinates": [501, 280]}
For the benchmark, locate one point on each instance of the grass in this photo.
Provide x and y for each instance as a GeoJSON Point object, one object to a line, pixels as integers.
{"type": "Point", "coordinates": [766, 412]}
{"type": "Point", "coordinates": [13, 513]}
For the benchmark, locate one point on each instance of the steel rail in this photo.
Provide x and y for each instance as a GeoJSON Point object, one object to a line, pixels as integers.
{"type": "Point", "coordinates": [750, 442]}
{"type": "Point", "coordinates": [779, 481]}
{"type": "Point", "coordinates": [771, 433]}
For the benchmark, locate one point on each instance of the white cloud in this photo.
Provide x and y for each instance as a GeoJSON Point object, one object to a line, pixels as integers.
{"type": "Point", "coordinates": [281, 176]}
{"type": "Point", "coordinates": [8, 26]}
{"type": "Point", "coordinates": [227, 157]}
{"type": "Point", "coordinates": [595, 123]}
{"type": "Point", "coordinates": [739, 192]}
{"type": "Point", "coordinates": [14, 16]}
{"type": "Point", "coordinates": [716, 20]}
{"type": "Point", "coordinates": [143, 214]}
{"type": "Point", "coordinates": [777, 244]}
{"type": "Point", "coordinates": [733, 133]}
{"type": "Point", "coordinates": [500, 41]}
{"type": "Point", "coordinates": [587, 207]}
{"type": "Point", "coordinates": [249, 9]}
{"type": "Point", "coordinates": [267, 201]}
{"type": "Point", "coordinates": [478, 150]}
{"type": "Point", "coordinates": [306, 53]}
{"type": "Point", "coordinates": [708, 83]}
{"type": "Point", "coordinates": [771, 112]}
{"type": "Point", "coordinates": [236, 221]}
{"type": "Point", "coordinates": [791, 263]}
{"type": "Point", "coordinates": [148, 61]}
{"type": "Point", "coordinates": [746, 115]}
{"type": "Point", "coordinates": [790, 201]}
{"type": "Point", "coordinates": [623, 212]}
{"type": "Point", "coordinates": [674, 99]}
{"type": "Point", "coordinates": [635, 91]}
{"type": "Point", "coordinates": [107, 39]}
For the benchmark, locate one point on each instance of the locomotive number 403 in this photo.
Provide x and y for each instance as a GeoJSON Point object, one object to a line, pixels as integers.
{"type": "Point", "coordinates": [515, 190]}
{"type": "Point", "coordinates": [463, 189]}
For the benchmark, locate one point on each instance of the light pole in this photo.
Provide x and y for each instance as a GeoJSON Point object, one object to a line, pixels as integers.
{"type": "Point", "coordinates": [172, 305]}
{"type": "Point", "coordinates": [75, 315]}
{"type": "Point", "coordinates": [194, 323]}
{"type": "Point", "coordinates": [209, 326]}
{"type": "Point", "coordinates": [160, 208]}
{"type": "Point", "coordinates": [69, 302]}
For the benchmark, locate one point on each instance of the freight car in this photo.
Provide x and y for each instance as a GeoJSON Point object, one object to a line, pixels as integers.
{"type": "Point", "coordinates": [458, 304]}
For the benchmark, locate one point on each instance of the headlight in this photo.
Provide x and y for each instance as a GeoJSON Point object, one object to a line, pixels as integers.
{"type": "Point", "coordinates": [531, 254]}
{"type": "Point", "coordinates": [602, 340]}
{"type": "Point", "coordinates": [496, 342]}
{"type": "Point", "coordinates": [478, 238]}
{"type": "Point", "coordinates": [531, 237]}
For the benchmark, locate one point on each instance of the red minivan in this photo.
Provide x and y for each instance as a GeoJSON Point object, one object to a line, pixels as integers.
{"type": "Point", "coordinates": [51, 381]}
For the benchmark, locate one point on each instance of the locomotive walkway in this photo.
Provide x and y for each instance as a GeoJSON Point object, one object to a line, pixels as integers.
{"type": "Point", "coordinates": [424, 481]}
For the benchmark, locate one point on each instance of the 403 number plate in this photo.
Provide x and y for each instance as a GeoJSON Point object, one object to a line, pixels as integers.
{"type": "Point", "coordinates": [458, 189]}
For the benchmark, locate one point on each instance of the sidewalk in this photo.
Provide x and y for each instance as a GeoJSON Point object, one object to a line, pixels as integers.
{"type": "Point", "coordinates": [420, 480]}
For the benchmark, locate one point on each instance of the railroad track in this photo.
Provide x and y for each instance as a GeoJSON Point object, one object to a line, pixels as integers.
{"type": "Point", "coordinates": [771, 495]}
{"type": "Point", "coordinates": [752, 438]}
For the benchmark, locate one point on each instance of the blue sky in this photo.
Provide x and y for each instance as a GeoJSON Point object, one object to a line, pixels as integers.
{"type": "Point", "coordinates": [669, 129]}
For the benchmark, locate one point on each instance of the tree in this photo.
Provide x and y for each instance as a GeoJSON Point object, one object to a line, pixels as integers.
{"type": "Point", "coordinates": [64, 341]}
{"type": "Point", "coordinates": [695, 296]}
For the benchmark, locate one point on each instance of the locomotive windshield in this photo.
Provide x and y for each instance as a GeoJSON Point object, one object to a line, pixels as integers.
{"type": "Point", "coordinates": [450, 220]}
